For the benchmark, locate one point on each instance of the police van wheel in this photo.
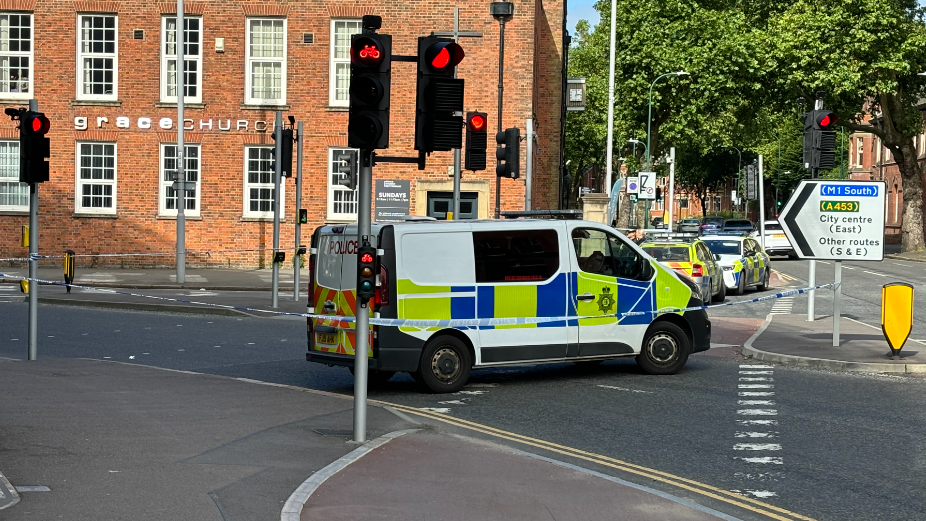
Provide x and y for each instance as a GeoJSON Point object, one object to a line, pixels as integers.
{"type": "Point", "coordinates": [764, 285]}
{"type": "Point", "coordinates": [445, 365]}
{"type": "Point", "coordinates": [665, 349]}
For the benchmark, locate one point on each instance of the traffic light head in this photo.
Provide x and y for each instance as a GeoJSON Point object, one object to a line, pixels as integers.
{"type": "Point", "coordinates": [366, 272]}
{"type": "Point", "coordinates": [370, 80]}
{"type": "Point", "coordinates": [508, 153]}
{"type": "Point", "coordinates": [476, 141]}
{"type": "Point", "coordinates": [439, 97]}
{"type": "Point", "coordinates": [36, 123]}
{"type": "Point", "coordinates": [819, 140]}
{"type": "Point", "coordinates": [34, 147]}
{"type": "Point", "coordinates": [824, 119]}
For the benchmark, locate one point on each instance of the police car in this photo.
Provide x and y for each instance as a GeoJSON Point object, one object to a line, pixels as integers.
{"type": "Point", "coordinates": [688, 255]}
{"type": "Point", "coordinates": [743, 260]}
{"type": "Point", "coordinates": [575, 277]}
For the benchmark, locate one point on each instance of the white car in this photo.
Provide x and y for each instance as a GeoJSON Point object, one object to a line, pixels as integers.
{"type": "Point", "coordinates": [776, 242]}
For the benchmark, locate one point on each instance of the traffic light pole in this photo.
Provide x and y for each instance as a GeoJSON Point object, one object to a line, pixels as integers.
{"type": "Point", "coordinates": [501, 90]}
{"type": "Point", "coordinates": [277, 173]}
{"type": "Point", "coordinates": [362, 316]}
{"type": "Point", "coordinates": [181, 161]}
{"type": "Point", "coordinates": [33, 259]}
{"type": "Point", "coordinates": [296, 259]}
{"type": "Point", "coordinates": [457, 172]}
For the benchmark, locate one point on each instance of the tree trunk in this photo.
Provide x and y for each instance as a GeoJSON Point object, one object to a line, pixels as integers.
{"type": "Point", "coordinates": [912, 223]}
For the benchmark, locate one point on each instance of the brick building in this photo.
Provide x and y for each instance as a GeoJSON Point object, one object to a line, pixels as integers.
{"type": "Point", "coordinates": [104, 72]}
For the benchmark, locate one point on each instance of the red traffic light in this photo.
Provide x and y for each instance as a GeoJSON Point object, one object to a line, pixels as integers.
{"type": "Point", "coordinates": [825, 119]}
{"type": "Point", "coordinates": [367, 51]}
{"type": "Point", "coordinates": [38, 123]}
{"type": "Point", "coordinates": [477, 122]}
{"type": "Point", "coordinates": [442, 56]}
{"type": "Point", "coordinates": [366, 258]}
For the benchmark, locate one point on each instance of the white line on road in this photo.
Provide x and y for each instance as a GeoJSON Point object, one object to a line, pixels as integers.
{"type": "Point", "coordinates": [823, 262]}
{"type": "Point", "coordinates": [756, 379]}
{"type": "Point", "coordinates": [757, 412]}
{"type": "Point", "coordinates": [902, 264]}
{"type": "Point", "coordinates": [750, 434]}
{"type": "Point", "coordinates": [762, 494]}
{"type": "Point", "coordinates": [757, 422]}
{"type": "Point", "coordinates": [751, 366]}
{"type": "Point", "coordinates": [757, 446]}
{"type": "Point", "coordinates": [757, 402]}
{"type": "Point", "coordinates": [775, 460]}
{"type": "Point", "coordinates": [757, 393]}
{"type": "Point", "coordinates": [874, 273]}
{"type": "Point", "coordinates": [756, 386]}
{"type": "Point", "coordinates": [618, 389]}
{"type": "Point", "coordinates": [756, 372]}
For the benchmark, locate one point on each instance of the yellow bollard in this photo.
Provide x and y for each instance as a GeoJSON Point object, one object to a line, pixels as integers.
{"type": "Point", "coordinates": [69, 268]}
{"type": "Point", "coordinates": [24, 286]}
{"type": "Point", "coordinates": [896, 315]}
{"type": "Point", "coordinates": [25, 239]}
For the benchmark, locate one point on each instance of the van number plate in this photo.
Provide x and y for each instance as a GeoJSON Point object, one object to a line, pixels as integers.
{"type": "Point", "coordinates": [326, 338]}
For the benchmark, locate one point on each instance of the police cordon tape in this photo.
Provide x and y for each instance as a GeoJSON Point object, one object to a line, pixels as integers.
{"type": "Point", "coordinates": [207, 253]}
{"type": "Point", "coordinates": [418, 323]}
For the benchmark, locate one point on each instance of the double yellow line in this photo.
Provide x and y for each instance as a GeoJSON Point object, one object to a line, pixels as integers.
{"type": "Point", "coordinates": [732, 498]}
{"type": "Point", "coordinates": [785, 276]}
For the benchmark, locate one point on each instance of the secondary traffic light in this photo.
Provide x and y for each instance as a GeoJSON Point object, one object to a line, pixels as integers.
{"type": "Point", "coordinates": [370, 80]}
{"type": "Point", "coordinates": [819, 140]}
{"type": "Point", "coordinates": [286, 158]}
{"type": "Point", "coordinates": [366, 272]}
{"type": "Point", "coordinates": [303, 216]}
{"type": "Point", "coordinates": [34, 146]}
{"type": "Point", "coordinates": [440, 95]}
{"type": "Point", "coordinates": [508, 153]}
{"type": "Point", "coordinates": [476, 141]}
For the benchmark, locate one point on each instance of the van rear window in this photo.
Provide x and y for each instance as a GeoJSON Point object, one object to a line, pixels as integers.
{"type": "Point", "coordinates": [516, 255]}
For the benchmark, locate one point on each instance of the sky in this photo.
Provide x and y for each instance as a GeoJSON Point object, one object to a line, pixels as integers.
{"type": "Point", "coordinates": [581, 9]}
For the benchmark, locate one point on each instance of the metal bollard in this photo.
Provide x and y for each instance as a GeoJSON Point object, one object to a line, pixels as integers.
{"type": "Point", "coordinates": [68, 268]}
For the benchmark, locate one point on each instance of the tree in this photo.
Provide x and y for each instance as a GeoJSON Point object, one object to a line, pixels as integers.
{"type": "Point", "coordinates": [700, 173]}
{"type": "Point", "coordinates": [865, 55]}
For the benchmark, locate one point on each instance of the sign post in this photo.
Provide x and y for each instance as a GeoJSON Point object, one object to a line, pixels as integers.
{"type": "Point", "coordinates": [838, 221]}
{"type": "Point", "coordinates": [647, 185]}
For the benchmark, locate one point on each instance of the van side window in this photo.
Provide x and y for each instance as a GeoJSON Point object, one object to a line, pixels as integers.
{"type": "Point", "coordinates": [605, 254]}
{"type": "Point", "coordinates": [516, 255]}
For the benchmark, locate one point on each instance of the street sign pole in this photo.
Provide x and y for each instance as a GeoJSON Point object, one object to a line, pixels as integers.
{"type": "Point", "coordinates": [277, 197]}
{"type": "Point", "coordinates": [837, 301]}
{"type": "Point", "coordinates": [671, 199]}
{"type": "Point", "coordinates": [33, 259]}
{"type": "Point", "coordinates": [812, 281]}
{"type": "Point", "coordinates": [296, 258]}
{"type": "Point", "coordinates": [761, 187]}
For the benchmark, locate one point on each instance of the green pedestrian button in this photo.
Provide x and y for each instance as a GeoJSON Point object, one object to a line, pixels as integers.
{"type": "Point", "coordinates": [896, 315]}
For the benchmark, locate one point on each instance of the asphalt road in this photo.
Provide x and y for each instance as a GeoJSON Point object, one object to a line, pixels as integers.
{"type": "Point", "coordinates": [842, 446]}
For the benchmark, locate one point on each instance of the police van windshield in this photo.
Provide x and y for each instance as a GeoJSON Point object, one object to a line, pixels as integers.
{"type": "Point", "coordinates": [665, 253]}
{"type": "Point", "coordinates": [724, 247]}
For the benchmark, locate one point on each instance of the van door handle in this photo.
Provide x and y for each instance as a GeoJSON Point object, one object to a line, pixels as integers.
{"type": "Point", "coordinates": [585, 296]}
{"type": "Point", "coordinates": [329, 306]}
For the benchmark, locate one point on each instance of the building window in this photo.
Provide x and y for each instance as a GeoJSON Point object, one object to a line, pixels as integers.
{"type": "Point", "coordinates": [16, 55]}
{"type": "Point", "coordinates": [266, 61]}
{"type": "Point", "coordinates": [440, 203]}
{"type": "Point", "coordinates": [258, 183]}
{"type": "Point", "coordinates": [97, 57]}
{"type": "Point", "coordinates": [339, 73]}
{"type": "Point", "coordinates": [192, 57]}
{"type": "Point", "coordinates": [14, 196]}
{"type": "Point", "coordinates": [342, 201]}
{"type": "Point", "coordinates": [859, 149]}
{"type": "Point", "coordinates": [96, 178]}
{"type": "Point", "coordinates": [168, 196]}
{"type": "Point", "coordinates": [683, 203]}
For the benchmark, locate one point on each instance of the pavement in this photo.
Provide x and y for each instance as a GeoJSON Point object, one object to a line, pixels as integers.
{"type": "Point", "coordinates": [85, 439]}
{"type": "Point", "coordinates": [790, 339]}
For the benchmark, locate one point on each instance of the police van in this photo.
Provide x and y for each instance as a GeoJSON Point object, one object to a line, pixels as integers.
{"type": "Point", "coordinates": [576, 279]}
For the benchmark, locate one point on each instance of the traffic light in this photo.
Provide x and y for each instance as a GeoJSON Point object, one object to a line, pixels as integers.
{"type": "Point", "coordinates": [659, 193]}
{"type": "Point", "coordinates": [303, 216]}
{"type": "Point", "coordinates": [476, 141]}
{"type": "Point", "coordinates": [366, 272]}
{"type": "Point", "coordinates": [440, 96]}
{"type": "Point", "coordinates": [510, 153]}
{"type": "Point", "coordinates": [370, 80]}
{"type": "Point", "coordinates": [34, 145]}
{"type": "Point", "coordinates": [819, 140]}
{"type": "Point", "coordinates": [286, 159]}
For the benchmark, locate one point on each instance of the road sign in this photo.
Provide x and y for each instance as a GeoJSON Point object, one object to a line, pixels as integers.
{"type": "Point", "coordinates": [751, 193]}
{"type": "Point", "coordinates": [836, 220]}
{"type": "Point", "coordinates": [647, 185]}
{"type": "Point", "coordinates": [633, 185]}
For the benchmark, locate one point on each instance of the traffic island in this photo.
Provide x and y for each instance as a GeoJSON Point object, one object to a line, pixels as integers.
{"type": "Point", "coordinates": [790, 339]}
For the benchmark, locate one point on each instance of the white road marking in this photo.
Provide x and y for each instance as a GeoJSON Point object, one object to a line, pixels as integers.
{"type": "Point", "coordinates": [477, 385]}
{"type": "Point", "coordinates": [132, 357]}
{"type": "Point", "coordinates": [107, 357]}
{"type": "Point", "coordinates": [823, 262]}
{"type": "Point", "coordinates": [453, 402]}
{"type": "Point", "coordinates": [901, 264]}
{"type": "Point", "coordinates": [757, 446]}
{"type": "Point", "coordinates": [761, 493]}
{"type": "Point", "coordinates": [750, 434]}
{"type": "Point", "coordinates": [146, 353]}
{"type": "Point", "coordinates": [751, 366]}
{"type": "Point", "coordinates": [471, 392]}
{"type": "Point", "coordinates": [757, 402]}
{"type": "Point", "coordinates": [436, 409]}
{"type": "Point", "coordinates": [181, 350]}
{"type": "Point", "coordinates": [756, 386]}
{"type": "Point", "coordinates": [775, 460]}
{"type": "Point", "coordinates": [874, 273]}
{"type": "Point", "coordinates": [32, 488]}
{"type": "Point", "coordinates": [757, 412]}
{"type": "Point", "coordinates": [756, 393]}
{"type": "Point", "coordinates": [756, 379]}
{"type": "Point", "coordinates": [757, 422]}
{"type": "Point", "coordinates": [849, 267]}
{"type": "Point", "coordinates": [625, 389]}
{"type": "Point", "coordinates": [756, 372]}
{"type": "Point", "coordinates": [760, 476]}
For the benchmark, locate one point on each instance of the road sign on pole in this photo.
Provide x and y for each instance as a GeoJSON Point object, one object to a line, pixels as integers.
{"type": "Point", "coordinates": [633, 185]}
{"type": "Point", "coordinates": [836, 220]}
{"type": "Point", "coordinates": [648, 185]}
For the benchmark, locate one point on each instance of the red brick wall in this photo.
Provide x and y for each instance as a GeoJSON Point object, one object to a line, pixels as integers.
{"type": "Point", "coordinates": [533, 40]}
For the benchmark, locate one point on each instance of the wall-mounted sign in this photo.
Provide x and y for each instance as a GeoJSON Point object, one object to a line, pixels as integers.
{"type": "Point", "coordinates": [392, 200]}
{"type": "Point", "coordinates": [144, 123]}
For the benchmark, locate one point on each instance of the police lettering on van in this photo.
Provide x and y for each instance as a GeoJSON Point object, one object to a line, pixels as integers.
{"type": "Point", "coordinates": [575, 280]}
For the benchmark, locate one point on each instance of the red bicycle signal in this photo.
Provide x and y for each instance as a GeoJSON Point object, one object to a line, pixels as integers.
{"type": "Point", "coordinates": [367, 52]}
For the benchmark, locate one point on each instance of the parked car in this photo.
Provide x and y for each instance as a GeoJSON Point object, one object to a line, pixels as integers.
{"type": "Point", "coordinates": [743, 261]}
{"type": "Point", "coordinates": [711, 224]}
{"type": "Point", "coordinates": [776, 242]}
{"type": "Point", "coordinates": [689, 225]}
{"type": "Point", "coordinates": [738, 225]}
{"type": "Point", "coordinates": [692, 258]}
{"type": "Point", "coordinates": [657, 223]}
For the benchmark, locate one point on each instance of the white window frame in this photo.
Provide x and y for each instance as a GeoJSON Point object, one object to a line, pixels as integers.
{"type": "Point", "coordinates": [114, 56]}
{"type": "Point", "coordinates": [334, 189]}
{"type": "Point", "coordinates": [248, 77]}
{"type": "Point", "coordinates": [78, 182]}
{"type": "Point", "coordinates": [332, 63]}
{"type": "Point", "coordinates": [859, 151]}
{"type": "Point", "coordinates": [187, 58]}
{"type": "Point", "coordinates": [9, 162]}
{"type": "Point", "coordinates": [164, 185]}
{"type": "Point", "coordinates": [6, 83]}
{"type": "Point", "coordinates": [248, 185]}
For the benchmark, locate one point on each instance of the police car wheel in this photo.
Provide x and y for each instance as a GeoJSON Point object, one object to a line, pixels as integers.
{"type": "Point", "coordinates": [445, 365]}
{"type": "Point", "coordinates": [764, 284]}
{"type": "Point", "coordinates": [741, 288]}
{"type": "Point", "coordinates": [665, 349]}
{"type": "Point", "coordinates": [722, 294]}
